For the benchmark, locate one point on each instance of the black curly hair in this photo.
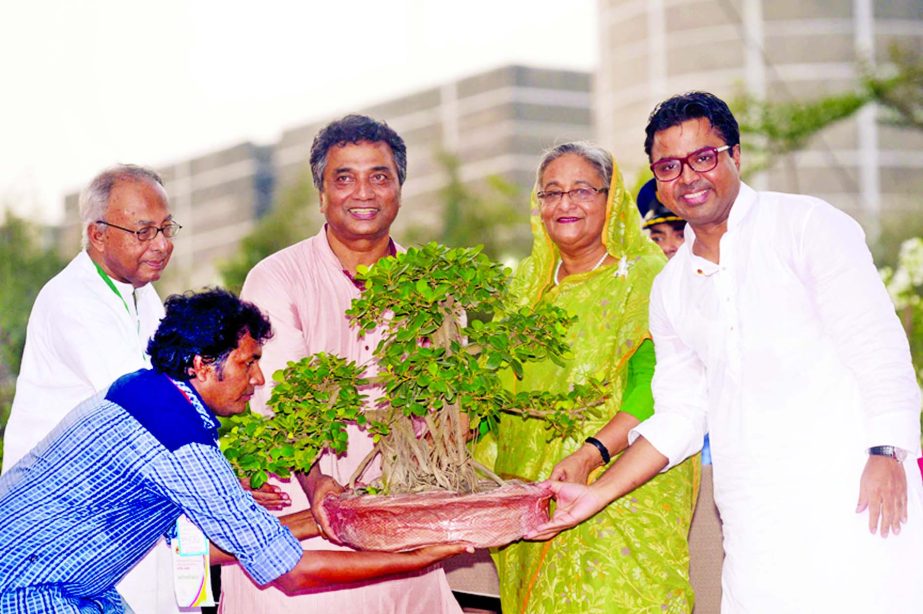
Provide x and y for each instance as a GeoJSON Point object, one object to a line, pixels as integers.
{"type": "Point", "coordinates": [355, 129]}
{"type": "Point", "coordinates": [692, 105]}
{"type": "Point", "coordinates": [208, 323]}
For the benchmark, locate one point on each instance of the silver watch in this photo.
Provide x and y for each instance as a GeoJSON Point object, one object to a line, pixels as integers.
{"type": "Point", "coordinates": [890, 451]}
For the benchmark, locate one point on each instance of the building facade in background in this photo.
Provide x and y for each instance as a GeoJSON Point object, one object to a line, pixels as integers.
{"type": "Point", "coordinates": [779, 50]}
{"type": "Point", "coordinates": [497, 123]}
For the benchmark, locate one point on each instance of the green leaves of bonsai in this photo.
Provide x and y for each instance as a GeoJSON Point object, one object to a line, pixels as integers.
{"type": "Point", "coordinates": [440, 374]}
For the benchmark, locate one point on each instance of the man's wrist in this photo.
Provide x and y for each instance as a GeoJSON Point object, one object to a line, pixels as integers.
{"type": "Point", "coordinates": [894, 452]}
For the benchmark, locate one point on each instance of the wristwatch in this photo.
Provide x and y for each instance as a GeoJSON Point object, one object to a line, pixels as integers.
{"type": "Point", "coordinates": [891, 451]}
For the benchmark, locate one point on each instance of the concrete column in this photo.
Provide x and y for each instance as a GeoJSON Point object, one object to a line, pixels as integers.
{"type": "Point", "coordinates": [867, 124]}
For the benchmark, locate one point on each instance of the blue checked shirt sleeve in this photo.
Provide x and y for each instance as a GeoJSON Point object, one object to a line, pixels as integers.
{"type": "Point", "coordinates": [198, 479]}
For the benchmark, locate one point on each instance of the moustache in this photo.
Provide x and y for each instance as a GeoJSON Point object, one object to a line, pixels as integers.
{"type": "Point", "coordinates": [697, 186]}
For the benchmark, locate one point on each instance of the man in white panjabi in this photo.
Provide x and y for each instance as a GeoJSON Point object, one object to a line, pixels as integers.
{"type": "Point", "coordinates": [775, 334]}
{"type": "Point", "coordinates": [90, 324]}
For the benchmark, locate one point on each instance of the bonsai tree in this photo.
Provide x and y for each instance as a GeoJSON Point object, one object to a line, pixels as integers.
{"type": "Point", "coordinates": [439, 374]}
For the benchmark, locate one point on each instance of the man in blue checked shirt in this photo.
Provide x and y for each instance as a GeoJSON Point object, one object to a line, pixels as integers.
{"type": "Point", "coordinates": [92, 498]}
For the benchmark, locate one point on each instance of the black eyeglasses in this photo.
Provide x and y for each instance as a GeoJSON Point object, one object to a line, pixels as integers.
{"type": "Point", "coordinates": [148, 233]}
{"type": "Point", "coordinates": [700, 160]}
{"type": "Point", "coordinates": [577, 195]}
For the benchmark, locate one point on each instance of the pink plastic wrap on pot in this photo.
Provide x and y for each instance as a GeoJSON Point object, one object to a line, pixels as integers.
{"type": "Point", "coordinates": [403, 522]}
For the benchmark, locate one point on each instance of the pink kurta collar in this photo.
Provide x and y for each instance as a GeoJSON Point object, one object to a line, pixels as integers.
{"type": "Point", "coordinates": [334, 261]}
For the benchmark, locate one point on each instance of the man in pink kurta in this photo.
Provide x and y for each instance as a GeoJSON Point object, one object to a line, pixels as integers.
{"type": "Point", "coordinates": [358, 165]}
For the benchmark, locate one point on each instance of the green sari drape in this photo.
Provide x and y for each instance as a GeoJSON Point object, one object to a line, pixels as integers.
{"type": "Point", "coordinates": [634, 555]}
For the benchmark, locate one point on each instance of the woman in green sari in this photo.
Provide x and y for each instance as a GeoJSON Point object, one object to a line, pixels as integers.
{"type": "Point", "coordinates": [591, 258]}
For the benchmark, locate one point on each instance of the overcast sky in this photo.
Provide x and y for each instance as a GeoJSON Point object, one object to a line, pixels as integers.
{"type": "Point", "coordinates": [93, 82]}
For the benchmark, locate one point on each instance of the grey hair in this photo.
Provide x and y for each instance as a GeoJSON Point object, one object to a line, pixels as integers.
{"type": "Point", "coordinates": [595, 155]}
{"type": "Point", "coordinates": [94, 200]}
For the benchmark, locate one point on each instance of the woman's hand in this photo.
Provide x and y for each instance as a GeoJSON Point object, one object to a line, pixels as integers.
{"type": "Point", "coordinates": [576, 467]}
{"type": "Point", "coordinates": [576, 503]}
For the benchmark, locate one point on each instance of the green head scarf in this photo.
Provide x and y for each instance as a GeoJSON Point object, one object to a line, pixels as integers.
{"type": "Point", "coordinates": [622, 236]}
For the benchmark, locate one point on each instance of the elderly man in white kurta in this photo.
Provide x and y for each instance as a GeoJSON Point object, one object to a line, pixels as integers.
{"type": "Point", "coordinates": [774, 333]}
{"type": "Point", "coordinates": [90, 324]}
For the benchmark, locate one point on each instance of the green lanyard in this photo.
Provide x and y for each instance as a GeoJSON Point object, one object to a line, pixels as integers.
{"type": "Point", "coordinates": [112, 287]}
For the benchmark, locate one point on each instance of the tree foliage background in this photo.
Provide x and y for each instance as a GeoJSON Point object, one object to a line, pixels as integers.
{"type": "Point", "coordinates": [25, 265]}
{"type": "Point", "coordinates": [905, 285]}
{"type": "Point", "coordinates": [772, 129]}
{"type": "Point", "coordinates": [293, 217]}
{"type": "Point", "coordinates": [494, 214]}
{"type": "Point", "coordinates": [778, 128]}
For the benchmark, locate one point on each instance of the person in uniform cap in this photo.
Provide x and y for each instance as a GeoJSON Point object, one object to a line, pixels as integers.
{"type": "Point", "coordinates": [664, 227]}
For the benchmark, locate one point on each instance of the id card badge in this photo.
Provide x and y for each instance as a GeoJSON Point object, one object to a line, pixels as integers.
{"type": "Point", "coordinates": [191, 576]}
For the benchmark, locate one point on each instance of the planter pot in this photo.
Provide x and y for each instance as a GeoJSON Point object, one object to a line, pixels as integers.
{"type": "Point", "coordinates": [403, 522]}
